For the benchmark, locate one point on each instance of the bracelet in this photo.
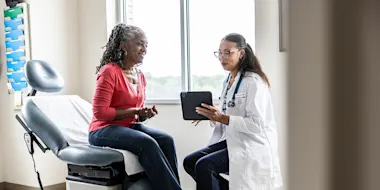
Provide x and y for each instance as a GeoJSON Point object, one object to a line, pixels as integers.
{"type": "Point", "coordinates": [139, 109]}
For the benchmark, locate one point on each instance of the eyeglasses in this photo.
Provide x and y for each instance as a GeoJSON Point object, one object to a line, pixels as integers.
{"type": "Point", "coordinates": [226, 53]}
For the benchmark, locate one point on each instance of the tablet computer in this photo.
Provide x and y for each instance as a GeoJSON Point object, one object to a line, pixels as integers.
{"type": "Point", "coordinates": [193, 99]}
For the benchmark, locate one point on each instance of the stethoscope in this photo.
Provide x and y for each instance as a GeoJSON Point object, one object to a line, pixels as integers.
{"type": "Point", "coordinates": [231, 103]}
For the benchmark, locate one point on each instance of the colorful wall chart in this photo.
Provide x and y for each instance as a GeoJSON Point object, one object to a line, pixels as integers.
{"type": "Point", "coordinates": [17, 43]}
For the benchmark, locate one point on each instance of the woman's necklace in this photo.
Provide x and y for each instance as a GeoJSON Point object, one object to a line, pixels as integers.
{"type": "Point", "coordinates": [131, 75]}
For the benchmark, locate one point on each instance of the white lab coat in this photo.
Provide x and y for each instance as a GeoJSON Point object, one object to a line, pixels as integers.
{"type": "Point", "coordinates": [251, 136]}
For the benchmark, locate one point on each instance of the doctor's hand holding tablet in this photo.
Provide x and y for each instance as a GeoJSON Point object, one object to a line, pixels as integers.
{"type": "Point", "coordinates": [212, 113]}
{"type": "Point", "coordinates": [198, 106]}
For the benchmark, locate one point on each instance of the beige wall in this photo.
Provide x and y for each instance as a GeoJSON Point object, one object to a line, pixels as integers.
{"type": "Point", "coordinates": [371, 92]}
{"type": "Point", "coordinates": [334, 95]}
{"type": "Point", "coordinates": [355, 94]}
{"type": "Point", "coordinates": [76, 50]}
{"type": "Point", "coordinates": [308, 95]}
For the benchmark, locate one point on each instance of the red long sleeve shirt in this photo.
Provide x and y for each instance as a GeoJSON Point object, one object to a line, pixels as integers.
{"type": "Point", "coordinates": [113, 90]}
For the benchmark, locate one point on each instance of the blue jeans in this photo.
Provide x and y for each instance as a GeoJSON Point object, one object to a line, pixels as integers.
{"type": "Point", "coordinates": [154, 149]}
{"type": "Point", "coordinates": [205, 165]}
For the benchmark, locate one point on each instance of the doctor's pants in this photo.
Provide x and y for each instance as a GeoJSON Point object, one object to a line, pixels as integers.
{"type": "Point", "coordinates": [154, 149]}
{"type": "Point", "coordinates": [205, 165]}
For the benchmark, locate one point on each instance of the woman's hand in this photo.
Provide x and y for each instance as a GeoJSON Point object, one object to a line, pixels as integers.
{"type": "Point", "coordinates": [147, 112]}
{"type": "Point", "coordinates": [213, 114]}
{"type": "Point", "coordinates": [154, 109]}
{"type": "Point", "coordinates": [143, 113]}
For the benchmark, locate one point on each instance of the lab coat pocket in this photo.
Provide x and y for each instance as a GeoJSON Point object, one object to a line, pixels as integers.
{"type": "Point", "coordinates": [238, 109]}
{"type": "Point", "coordinates": [237, 155]}
{"type": "Point", "coordinates": [240, 102]}
{"type": "Point", "coordinates": [260, 164]}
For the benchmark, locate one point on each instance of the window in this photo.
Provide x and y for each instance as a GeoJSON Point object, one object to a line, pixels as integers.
{"type": "Point", "coordinates": [162, 63]}
{"type": "Point", "coordinates": [182, 37]}
{"type": "Point", "coordinates": [209, 22]}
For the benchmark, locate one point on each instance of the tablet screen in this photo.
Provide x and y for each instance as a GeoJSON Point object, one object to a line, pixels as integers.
{"type": "Point", "coordinates": [191, 100]}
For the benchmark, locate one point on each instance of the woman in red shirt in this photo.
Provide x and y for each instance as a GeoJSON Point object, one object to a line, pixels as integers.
{"type": "Point", "coordinates": [118, 105]}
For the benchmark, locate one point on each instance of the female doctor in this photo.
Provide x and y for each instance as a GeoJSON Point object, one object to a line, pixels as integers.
{"type": "Point", "coordinates": [244, 141]}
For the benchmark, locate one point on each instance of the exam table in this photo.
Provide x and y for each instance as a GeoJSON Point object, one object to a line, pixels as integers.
{"type": "Point", "coordinates": [59, 123]}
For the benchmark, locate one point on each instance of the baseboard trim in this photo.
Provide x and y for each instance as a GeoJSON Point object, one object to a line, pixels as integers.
{"type": "Point", "coordinates": [12, 186]}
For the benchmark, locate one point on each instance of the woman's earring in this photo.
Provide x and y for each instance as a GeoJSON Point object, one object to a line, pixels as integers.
{"type": "Point", "coordinates": [121, 54]}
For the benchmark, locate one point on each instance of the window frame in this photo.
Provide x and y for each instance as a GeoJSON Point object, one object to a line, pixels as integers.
{"type": "Point", "coordinates": [186, 79]}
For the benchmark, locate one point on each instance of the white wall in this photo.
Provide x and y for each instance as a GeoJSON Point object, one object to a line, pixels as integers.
{"type": "Point", "coordinates": [92, 37]}
{"type": "Point", "coordinates": [1, 155]}
{"type": "Point", "coordinates": [274, 65]}
{"type": "Point", "coordinates": [3, 92]}
{"type": "Point", "coordinates": [1, 161]}
{"type": "Point", "coordinates": [55, 38]}
{"type": "Point", "coordinates": [54, 34]}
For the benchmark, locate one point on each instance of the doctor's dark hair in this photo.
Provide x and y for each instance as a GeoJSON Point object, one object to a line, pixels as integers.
{"type": "Point", "coordinates": [113, 53]}
{"type": "Point", "coordinates": [249, 61]}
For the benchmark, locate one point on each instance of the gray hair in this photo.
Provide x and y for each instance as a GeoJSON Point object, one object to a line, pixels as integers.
{"type": "Point", "coordinates": [120, 33]}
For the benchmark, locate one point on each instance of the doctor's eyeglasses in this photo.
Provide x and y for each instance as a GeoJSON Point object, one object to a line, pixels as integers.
{"type": "Point", "coordinates": [225, 53]}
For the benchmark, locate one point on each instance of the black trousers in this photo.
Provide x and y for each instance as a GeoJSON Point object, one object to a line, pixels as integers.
{"type": "Point", "coordinates": [205, 165]}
